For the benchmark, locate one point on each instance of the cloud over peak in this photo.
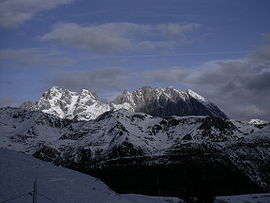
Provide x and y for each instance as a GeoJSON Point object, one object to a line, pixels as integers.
{"type": "Point", "coordinates": [241, 87]}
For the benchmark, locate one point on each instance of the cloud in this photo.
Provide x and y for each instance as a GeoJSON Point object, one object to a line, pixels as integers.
{"type": "Point", "coordinates": [104, 79]}
{"type": "Point", "coordinates": [241, 87]}
{"type": "Point", "coordinates": [111, 37]}
{"type": "Point", "coordinates": [14, 13]}
{"type": "Point", "coordinates": [32, 56]}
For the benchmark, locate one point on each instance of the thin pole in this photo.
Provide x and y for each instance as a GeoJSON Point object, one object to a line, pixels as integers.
{"type": "Point", "coordinates": [35, 191]}
{"type": "Point", "coordinates": [34, 187]}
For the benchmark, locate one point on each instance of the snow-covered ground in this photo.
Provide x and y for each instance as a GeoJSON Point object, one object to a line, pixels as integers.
{"type": "Point", "coordinates": [246, 145]}
{"type": "Point", "coordinates": [250, 198]}
{"type": "Point", "coordinates": [18, 172]}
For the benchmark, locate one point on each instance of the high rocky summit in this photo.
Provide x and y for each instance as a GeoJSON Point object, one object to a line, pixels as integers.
{"type": "Point", "coordinates": [162, 102]}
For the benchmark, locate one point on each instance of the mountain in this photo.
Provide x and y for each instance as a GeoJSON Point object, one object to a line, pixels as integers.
{"type": "Point", "coordinates": [67, 104]}
{"type": "Point", "coordinates": [162, 102]}
{"type": "Point", "coordinates": [157, 141]}
{"type": "Point", "coordinates": [27, 105]}
{"type": "Point", "coordinates": [166, 102]}
{"type": "Point", "coordinates": [257, 122]}
{"type": "Point", "coordinates": [151, 155]}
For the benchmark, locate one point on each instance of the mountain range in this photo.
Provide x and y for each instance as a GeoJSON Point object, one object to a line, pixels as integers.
{"type": "Point", "coordinates": [154, 101]}
{"type": "Point", "coordinates": [139, 139]}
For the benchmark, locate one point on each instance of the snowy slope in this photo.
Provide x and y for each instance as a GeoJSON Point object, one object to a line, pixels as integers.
{"type": "Point", "coordinates": [257, 122]}
{"type": "Point", "coordinates": [28, 131]}
{"type": "Point", "coordinates": [249, 198]}
{"type": "Point", "coordinates": [18, 172]}
{"type": "Point", "coordinates": [124, 134]}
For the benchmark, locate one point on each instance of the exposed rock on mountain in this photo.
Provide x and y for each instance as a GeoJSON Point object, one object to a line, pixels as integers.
{"type": "Point", "coordinates": [165, 102]}
{"type": "Point", "coordinates": [27, 105]}
{"type": "Point", "coordinates": [162, 102]}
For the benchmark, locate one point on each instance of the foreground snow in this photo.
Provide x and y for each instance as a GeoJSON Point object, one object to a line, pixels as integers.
{"type": "Point", "coordinates": [250, 198]}
{"type": "Point", "coordinates": [18, 171]}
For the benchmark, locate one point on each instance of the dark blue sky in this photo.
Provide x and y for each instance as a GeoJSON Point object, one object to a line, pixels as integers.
{"type": "Point", "coordinates": [219, 48]}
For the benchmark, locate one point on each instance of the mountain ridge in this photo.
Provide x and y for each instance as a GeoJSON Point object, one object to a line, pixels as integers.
{"type": "Point", "coordinates": [119, 141]}
{"type": "Point", "coordinates": [86, 105]}
{"type": "Point", "coordinates": [154, 155]}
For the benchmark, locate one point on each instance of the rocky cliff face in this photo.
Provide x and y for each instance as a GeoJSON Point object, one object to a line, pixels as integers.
{"type": "Point", "coordinates": [166, 102]}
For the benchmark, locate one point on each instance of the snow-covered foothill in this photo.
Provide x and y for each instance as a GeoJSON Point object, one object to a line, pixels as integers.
{"type": "Point", "coordinates": [247, 198]}
{"type": "Point", "coordinates": [120, 134]}
{"type": "Point", "coordinates": [18, 172]}
{"type": "Point", "coordinates": [257, 122]}
{"type": "Point", "coordinates": [57, 184]}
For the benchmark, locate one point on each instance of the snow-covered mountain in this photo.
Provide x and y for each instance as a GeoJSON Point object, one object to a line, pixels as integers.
{"type": "Point", "coordinates": [162, 154]}
{"type": "Point", "coordinates": [257, 121]}
{"type": "Point", "coordinates": [165, 102]}
{"type": "Point", "coordinates": [161, 102]}
{"type": "Point", "coordinates": [67, 104]}
{"type": "Point", "coordinates": [158, 141]}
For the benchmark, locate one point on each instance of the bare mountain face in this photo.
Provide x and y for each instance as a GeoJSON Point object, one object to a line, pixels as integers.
{"type": "Point", "coordinates": [150, 155]}
{"type": "Point", "coordinates": [166, 102]}
{"type": "Point", "coordinates": [162, 102]}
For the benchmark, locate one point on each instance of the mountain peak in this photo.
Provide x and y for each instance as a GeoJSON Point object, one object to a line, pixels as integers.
{"type": "Point", "coordinates": [166, 101]}
{"type": "Point", "coordinates": [26, 105]}
{"type": "Point", "coordinates": [195, 95]}
{"type": "Point", "coordinates": [256, 121]}
{"type": "Point", "coordinates": [85, 91]}
{"type": "Point", "coordinates": [64, 103]}
{"type": "Point", "coordinates": [147, 87]}
{"type": "Point", "coordinates": [89, 93]}
{"type": "Point", "coordinates": [56, 88]}
{"type": "Point", "coordinates": [160, 102]}
{"type": "Point", "coordinates": [126, 92]}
